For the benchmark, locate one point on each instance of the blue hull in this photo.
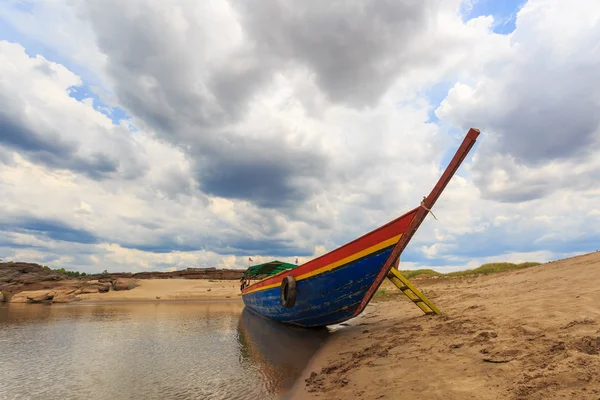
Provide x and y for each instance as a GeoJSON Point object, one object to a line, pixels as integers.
{"type": "Point", "coordinates": [328, 298]}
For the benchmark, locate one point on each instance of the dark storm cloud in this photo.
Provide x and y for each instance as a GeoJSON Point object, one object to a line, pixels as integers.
{"type": "Point", "coordinates": [552, 122]}
{"type": "Point", "coordinates": [52, 152]}
{"type": "Point", "coordinates": [265, 247]}
{"type": "Point", "coordinates": [171, 86]}
{"type": "Point", "coordinates": [259, 171]}
{"type": "Point", "coordinates": [225, 246]}
{"type": "Point", "coordinates": [544, 115]}
{"type": "Point", "coordinates": [173, 83]}
{"type": "Point", "coordinates": [165, 246]}
{"type": "Point", "coordinates": [355, 48]}
{"type": "Point", "coordinates": [536, 113]}
{"type": "Point", "coordinates": [14, 133]}
{"type": "Point", "coordinates": [43, 146]}
{"type": "Point", "coordinates": [501, 241]}
{"type": "Point", "coordinates": [166, 81]}
{"type": "Point", "coordinates": [50, 229]}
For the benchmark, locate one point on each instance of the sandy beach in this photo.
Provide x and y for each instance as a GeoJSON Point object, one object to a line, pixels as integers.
{"type": "Point", "coordinates": [527, 334]}
{"type": "Point", "coordinates": [171, 289]}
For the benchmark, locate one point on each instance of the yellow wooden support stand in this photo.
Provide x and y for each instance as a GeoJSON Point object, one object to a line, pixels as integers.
{"type": "Point", "coordinates": [412, 292]}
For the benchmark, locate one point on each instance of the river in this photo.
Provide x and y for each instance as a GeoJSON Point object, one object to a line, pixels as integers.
{"type": "Point", "coordinates": [163, 350]}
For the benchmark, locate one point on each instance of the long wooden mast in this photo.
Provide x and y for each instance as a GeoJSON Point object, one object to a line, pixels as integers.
{"type": "Point", "coordinates": [422, 212]}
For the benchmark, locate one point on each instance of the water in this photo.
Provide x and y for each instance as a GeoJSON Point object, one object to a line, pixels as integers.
{"type": "Point", "coordinates": [187, 350]}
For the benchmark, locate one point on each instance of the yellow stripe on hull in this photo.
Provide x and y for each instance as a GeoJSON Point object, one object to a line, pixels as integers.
{"type": "Point", "coordinates": [338, 263]}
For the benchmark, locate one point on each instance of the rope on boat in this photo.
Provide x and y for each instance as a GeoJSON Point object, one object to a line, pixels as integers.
{"type": "Point", "coordinates": [428, 209]}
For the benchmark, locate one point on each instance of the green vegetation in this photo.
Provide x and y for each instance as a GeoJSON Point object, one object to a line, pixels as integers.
{"type": "Point", "coordinates": [72, 274]}
{"type": "Point", "coordinates": [386, 293]}
{"type": "Point", "coordinates": [492, 268]}
{"type": "Point", "coordinates": [420, 273]}
{"type": "Point", "coordinates": [387, 289]}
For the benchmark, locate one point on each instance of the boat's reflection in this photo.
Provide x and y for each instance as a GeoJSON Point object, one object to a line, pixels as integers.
{"type": "Point", "coordinates": [279, 352]}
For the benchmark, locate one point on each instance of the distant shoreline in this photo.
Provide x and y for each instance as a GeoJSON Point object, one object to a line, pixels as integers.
{"type": "Point", "coordinates": [88, 302]}
{"type": "Point", "coordinates": [127, 291]}
{"type": "Point", "coordinates": [170, 290]}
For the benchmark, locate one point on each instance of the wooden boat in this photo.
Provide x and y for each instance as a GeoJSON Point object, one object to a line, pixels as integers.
{"type": "Point", "coordinates": [338, 286]}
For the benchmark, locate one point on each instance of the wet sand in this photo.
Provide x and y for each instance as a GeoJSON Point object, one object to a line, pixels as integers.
{"type": "Point", "coordinates": [171, 289]}
{"type": "Point", "coordinates": [528, 334]}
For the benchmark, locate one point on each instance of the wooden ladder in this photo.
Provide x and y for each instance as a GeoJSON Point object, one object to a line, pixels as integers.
{"type": "Point", "coordinates": [412, 292]}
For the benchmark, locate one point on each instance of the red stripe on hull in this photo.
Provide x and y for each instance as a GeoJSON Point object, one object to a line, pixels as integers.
{"type": "Point", "coordinates": [387, 231]}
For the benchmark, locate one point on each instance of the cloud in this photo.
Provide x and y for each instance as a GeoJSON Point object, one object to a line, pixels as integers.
{"type": "Point", "coordinates": [224, 100]}
{"type": "Point", "coordinates": [55, 230]}
{"type": "Point", "coordinates": [537, 103]}
{"type": "Point", "coordinates": [273, 129]}
{"type": "Point", "coordinates": [355, 50]}
{"type": "Point", "coordinates": [45, 124]}
{"type": "Point", "coordinates": [198, 103]}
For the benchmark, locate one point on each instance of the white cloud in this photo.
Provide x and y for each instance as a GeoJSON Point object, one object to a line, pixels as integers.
{"type": "Point", "coordinates": [538, 103]}
{"type": "Point", "coordinates": [253, 143]}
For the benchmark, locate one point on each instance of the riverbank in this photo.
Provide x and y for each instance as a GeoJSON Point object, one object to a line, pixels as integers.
{"type": "Point", "coordinates": [523, 334]}
{"type": "Point", "coordinates": [22, 282]}
{"type": "Point", "coordinates": [171, 289]}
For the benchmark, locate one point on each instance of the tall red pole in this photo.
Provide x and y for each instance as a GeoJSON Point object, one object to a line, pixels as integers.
{"type": "Point", "coordinates": [421, 213]}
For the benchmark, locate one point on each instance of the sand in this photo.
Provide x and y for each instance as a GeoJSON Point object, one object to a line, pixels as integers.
{"type": "Point", "coordinates": [528, 334]}
{"type": "Point", "coordinates": [171, 289]}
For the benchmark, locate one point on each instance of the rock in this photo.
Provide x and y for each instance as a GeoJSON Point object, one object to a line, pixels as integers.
{"type": "Point", "coordinates": [65, 299]}
{"type": "Point", "coordinates": [18, 298]}
{"type": "Point", "coordinates": [39, 297]}
{"type": "Point", "coordinates": [1, 297]}
{"type": "Point", "coordinates": [87, 290]}
{"type": "Point", "coordinates": [61, 292]}
{"type": "Point", "coordinates": [14, 273]}
{"type": "Point", "coordinates": [31, 296]}
{"type": "Point", "coordinates": [124, 284]}
{"type": "Point", "coordinates": [103, 288]}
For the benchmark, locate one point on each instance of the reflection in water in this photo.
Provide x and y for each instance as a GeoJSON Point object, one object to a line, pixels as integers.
{"type": "Point", "coordinates": [280, 351]}
{"type": "Point", "coordinates": [196, 350]}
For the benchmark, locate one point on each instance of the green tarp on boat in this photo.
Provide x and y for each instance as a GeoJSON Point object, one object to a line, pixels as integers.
{"type": "Point", "coordinates": [270, 268]}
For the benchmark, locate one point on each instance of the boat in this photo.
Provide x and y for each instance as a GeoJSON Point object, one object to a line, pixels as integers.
{"type": "Point", "coordinates": [337, 286]}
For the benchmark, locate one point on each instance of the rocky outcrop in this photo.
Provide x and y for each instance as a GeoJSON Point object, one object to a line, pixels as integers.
{"type": "Point", "coordinates": [38, 297]}
{"type": "Point", "coordinates": [45, 296]}
{"type": "Point", "coordinates": [31, 296]}
{"type": "Point", "coordinates": [190, 273]}
{"type": "Point", "coordinates": [67, 291]}
{"type": "Point", "coordinates": [32, 283]}
{"type": "Point", "coordinates": [124, 284]}
{"type": "Point", "coordinates": [65, 299]}
{"type": "Point", "coordinates": [19, 273]}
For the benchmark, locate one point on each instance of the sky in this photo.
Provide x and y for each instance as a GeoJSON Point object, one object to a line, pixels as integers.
{"type": "Point", "coordinates": [161, 135]}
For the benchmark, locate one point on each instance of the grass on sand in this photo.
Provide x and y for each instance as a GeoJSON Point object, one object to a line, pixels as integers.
{"type": "Point", "coordinates": [490, 268]}
{"type": "Point", "coordinates": [387, 288]}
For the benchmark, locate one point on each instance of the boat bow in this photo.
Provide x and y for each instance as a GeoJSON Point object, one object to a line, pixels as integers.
{"type": "Point", "coordinates": [338, 285]}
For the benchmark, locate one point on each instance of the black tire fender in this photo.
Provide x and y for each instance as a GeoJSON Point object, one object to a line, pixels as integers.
{"type": "Point", "coordinates": [288, 291]}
